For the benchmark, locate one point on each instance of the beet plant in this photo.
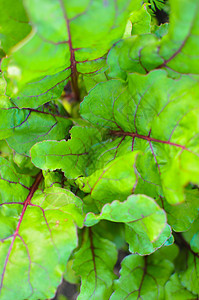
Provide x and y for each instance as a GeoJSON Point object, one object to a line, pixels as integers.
{"type": "Point", "coordinates": [99, 143]}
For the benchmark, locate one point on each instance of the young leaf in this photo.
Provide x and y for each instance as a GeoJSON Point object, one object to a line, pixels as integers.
{"type": "Point", "coordinates": [177, 51]}
{"type": "Point", "coordinates": [141, 21]}
{"type": "Point", "coordinates": [94, 262]}
{"type": "Point", "coordinates": [69, 156]}
{"type": "Point", "coordinates": [37, 236]}
{"type": "Point", "coordinates": [74, 42]}
{"type": "Point", "coordinates": [145, 223]}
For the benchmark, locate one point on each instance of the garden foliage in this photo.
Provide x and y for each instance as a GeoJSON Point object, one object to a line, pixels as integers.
{"type": "Point", "coordinates": [120, 173]}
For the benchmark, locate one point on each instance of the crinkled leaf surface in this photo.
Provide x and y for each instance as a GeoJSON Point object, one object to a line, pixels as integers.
{"type": "Point", "coordinates": [22, 128]}
{"type": "Point", "coordinates": [74, 42]}
{"type": "Point", "coordinates": [94, 262]}
{"type": "Point", "coordinates": [38, 234]}
{"type": "Point", "coordinates": [177, 51]}
{"type": "Point", "coordinates": [144, 277]}
{"type": "Point", "coordinates": [157, 115]}
{"type": "Point", "coordinates": [139, 212]}
{"type": "Point", "coordinates": [70, 156]}
{"type": "Point", "coordinates": [14, 24]}
{"type": "Point", "coordinates": [115, 181]}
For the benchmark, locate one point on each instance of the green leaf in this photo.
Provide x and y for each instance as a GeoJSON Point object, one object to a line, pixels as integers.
{"type": "Point", "coordinates": [143, 277]}
{"type": "Point", "coordinates": [176, 291]}
{"type": "Point", "coordinates": [159, 116]}
{"type": "Point", "coordinates": [22, 128]}
{"type": "Point", "coordinates": [141, 21]}
{"type": "Point", "coordinates": [177, 51]}
{"type": "Point", "coordinates": [156, 4]}
{"type": "Point", "coordinates": [146, 229]}
{"type": "Point", "coordinates": [195, 243]}
{"type": "Point", "coordinates": [14, 24]}
{"type": "Point", "coordinates": [69, 156]}
{"type": "Point", "coordinates": [181, 216]}
{"type": "Point", "coordinates": [187, 264]}
{"type": "Point", "coordinates": [75, 41]}
{"type": "Point", "coordinates": [140, 243]}
{"type": "Point", "coordinates": [38, 234]}
{"type": "Point", "coordinates": [115, 181]}
{"type": "Point", "coordinates": [94, 262]}
{"type": "Point", "coordinates": [190, 277]}
{"type": "Point", "coordinates": [161, 30]}
{"type": "Point", "coordinates": [55, 179]}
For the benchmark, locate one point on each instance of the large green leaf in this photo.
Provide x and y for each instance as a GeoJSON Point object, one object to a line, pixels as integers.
{"type": "Point", "coordinates": [158, 116]}
{"type": "Point", "coordinates": [144, 277]}
{"type": "Point", "coordinates": [177, 51]}
{"type": "Point", "coordinates": [38, 234]}
{"type": "Point", "coordinates": [70, 156]}
{"type": "Point", "coordinates": [74, 40]}
{"type": "Point", "coordinates": [139, 212]}
{"type": "Point", "coordinates": [14, 24]}
{"type": "Point", "coordinates": [94, 262]}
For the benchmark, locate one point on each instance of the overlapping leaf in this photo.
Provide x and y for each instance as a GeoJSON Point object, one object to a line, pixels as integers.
{"type": "Point", "coordinates": [146, 228]}
{"type": "Point", "coordinates": [115, 181]}
{"type": "Point", "coordinates": [74, 42]}
{"type": "Point", "coordinates": [177, 51]}
{"type": "Point", "coordinates": [22, 128]}
{"type": "Point", "coordinates": [140, 243]}
{"type": "Point", "coordinates": [156, 115]}
{"type": "Point", "coordinates": [38, 234]}
{"type": "Point", "coordinates": [14, 24]}
{"type": "Point", "coordinates": [94, 262]}
{"type": "Point", "coordinates": [144, 277]}
{"type": "Point", "coordinates": [181, 216]}
{"type": "Point", "coordinates": [176, 291]}
{"type": "Point", "coordinates": [70, 156]}
{"type": "Point", "coordinates": [189, 276]}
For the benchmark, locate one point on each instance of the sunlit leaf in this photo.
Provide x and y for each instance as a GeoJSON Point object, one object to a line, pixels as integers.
{"type": "Point", "coordinates": [177, 51]}
{"type": "Point", "coordinates": [35, 229]}
{"type": "Point", "coordinates": [75, 41]}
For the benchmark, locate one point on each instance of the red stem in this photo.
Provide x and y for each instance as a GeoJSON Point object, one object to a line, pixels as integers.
{"type": "Point", "coordinates": [16, 233]}
{"type": "Point", "coordinates": [74, 75]}
{"type": "Point", "coordinates": [147, 138]}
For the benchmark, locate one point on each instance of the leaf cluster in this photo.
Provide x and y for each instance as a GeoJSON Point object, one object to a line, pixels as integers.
{"type": "Point", "coordinates": [99, 149]}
